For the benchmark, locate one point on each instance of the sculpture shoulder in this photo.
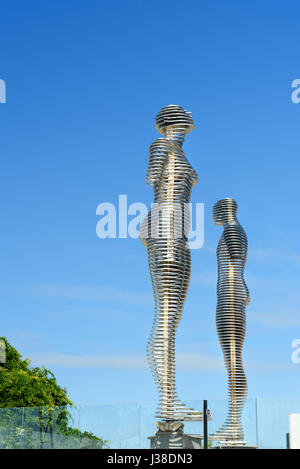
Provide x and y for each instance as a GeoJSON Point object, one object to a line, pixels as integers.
{"type": "Point", "coordinates": [236, 241]}
{"type": "Point", "coordinates": [161, 144]}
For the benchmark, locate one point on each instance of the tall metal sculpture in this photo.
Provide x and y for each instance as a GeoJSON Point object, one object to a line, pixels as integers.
{"type": "Point", "coordinates": [232, 299]}
{"type": "Point", "coordinates": [164, 232]}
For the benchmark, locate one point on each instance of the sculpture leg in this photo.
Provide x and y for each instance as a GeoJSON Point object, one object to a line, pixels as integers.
{"type": "Point", "coordinates": [170, 279]}
{"type": "Point", "coordinates": [231, 335]}
{"type": "Point", "coordinates": [237, 388]}
{"type": "Point", "coordinates": [161, 345]}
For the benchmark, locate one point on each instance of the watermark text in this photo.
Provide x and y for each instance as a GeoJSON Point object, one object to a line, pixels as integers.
{"type": "Point", "coordinates": [296, 93]}
{"type": "Point", "coordinates": [163, 221]}
{"type": "Point", "coordinates": [2, 352]}
{"type": "Point", "coordinates": [2, 91]}
{"type": "Point", "coordinates": [296, 352]}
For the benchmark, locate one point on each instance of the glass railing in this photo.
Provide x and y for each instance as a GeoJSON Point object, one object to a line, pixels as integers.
{"type": "Point", "coordinates": [265, 424]}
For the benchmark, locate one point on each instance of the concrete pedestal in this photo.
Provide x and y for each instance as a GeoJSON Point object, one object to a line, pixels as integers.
{"type": "Point", "coordinates": [170, 435]}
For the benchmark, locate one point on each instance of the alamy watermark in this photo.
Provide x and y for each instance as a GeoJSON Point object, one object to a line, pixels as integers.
{"type": "Point", "coordinates": [2, 352]}
{"type": "Point", "coordinates": [2, 91]}
{"type": "Point", "coordinates": [163, 220]}
{"type": "Point", "coordinates": [296, 353]}
{"type": "Point", "coordinates": [296, 93]}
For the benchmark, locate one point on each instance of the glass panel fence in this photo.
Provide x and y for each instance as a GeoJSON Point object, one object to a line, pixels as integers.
{"type": "Point", "coordinates": [265, 424]}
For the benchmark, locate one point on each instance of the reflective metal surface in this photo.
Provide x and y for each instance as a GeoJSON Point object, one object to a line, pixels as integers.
{"type": "Point", "coordinates": [232, 299]}
{"type": "Point", "coordinates": [164, 233]}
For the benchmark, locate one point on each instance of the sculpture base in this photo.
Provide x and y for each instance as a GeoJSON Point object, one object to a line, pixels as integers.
{"type": "Point", "coordinates": [170, 435]}
{"type": "Point", "coordinates": [166, 440]}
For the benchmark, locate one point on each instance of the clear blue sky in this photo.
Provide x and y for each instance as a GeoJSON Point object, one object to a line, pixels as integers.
{"type": "Point", "coordinates": [85, 80]}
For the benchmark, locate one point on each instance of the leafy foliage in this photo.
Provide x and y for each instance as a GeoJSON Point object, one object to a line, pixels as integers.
{"type": "Point", "coordinates": [34, 408]}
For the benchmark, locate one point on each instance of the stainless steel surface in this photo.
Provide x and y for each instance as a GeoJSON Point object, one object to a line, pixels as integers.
{"type": "Point", "coordinates": [232, 299]}
{"type": "Point", "coordinates": [164, 232]}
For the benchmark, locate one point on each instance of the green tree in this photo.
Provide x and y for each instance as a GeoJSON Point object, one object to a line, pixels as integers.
{"type": "Point", "coordinates": [34, 407]}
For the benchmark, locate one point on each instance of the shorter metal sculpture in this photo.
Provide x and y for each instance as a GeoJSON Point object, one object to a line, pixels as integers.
{"type": "Point", "coordinates": [232, 299]}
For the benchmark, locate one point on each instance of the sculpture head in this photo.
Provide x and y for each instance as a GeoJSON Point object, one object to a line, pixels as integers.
{"type": "Point", "coordinates": [172, 120]}
{"type": "Point", "coordinates": [224, 211]}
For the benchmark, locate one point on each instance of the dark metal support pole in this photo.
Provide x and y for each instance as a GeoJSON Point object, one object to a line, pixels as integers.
{"type": "Point", "coordinates": [205, 424]}
{"type": "Point", "coordinates": [288, 441]}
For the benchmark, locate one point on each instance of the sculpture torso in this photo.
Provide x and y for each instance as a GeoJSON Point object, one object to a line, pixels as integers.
{"type": "Point", "coordinates": [169, 172]}
{"type": "Point", "coordinates": [232, 256]}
